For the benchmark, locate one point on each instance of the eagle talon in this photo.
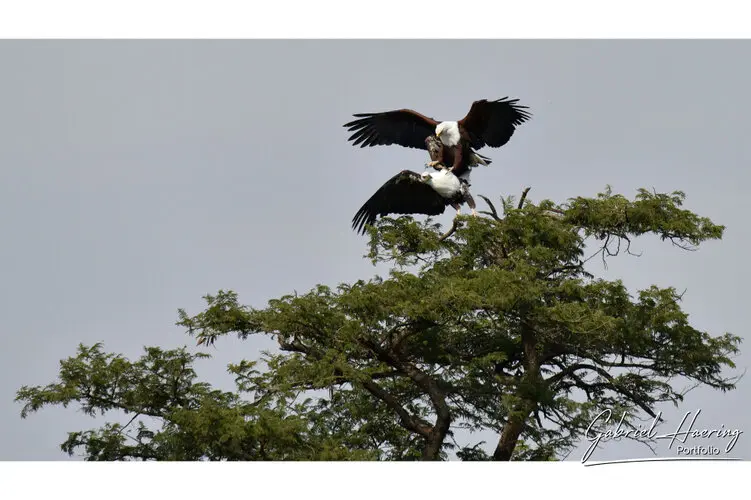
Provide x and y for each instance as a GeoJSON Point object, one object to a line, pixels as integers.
{"type": "Point", "coordinates": [433, 164]}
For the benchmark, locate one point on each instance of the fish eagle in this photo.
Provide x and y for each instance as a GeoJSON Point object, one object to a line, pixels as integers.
{"type": "Point", "coordinates": [442, 156]}
{"type": "Point", "coordinates": [411, 193]}
{"type": "Point", "coordinates": [488, 123]}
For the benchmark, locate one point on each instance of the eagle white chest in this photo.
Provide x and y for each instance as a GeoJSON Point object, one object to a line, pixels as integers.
{"type": "Point", "coordinates": [445, 183]}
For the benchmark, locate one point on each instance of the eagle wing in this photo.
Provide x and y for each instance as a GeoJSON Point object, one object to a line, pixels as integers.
{"type": "Point", "coordinates": [492, 123]}
{"type": "Point", "coordinates": [404, 193]}
{"type": "Point", "coordinates": [403, 127]}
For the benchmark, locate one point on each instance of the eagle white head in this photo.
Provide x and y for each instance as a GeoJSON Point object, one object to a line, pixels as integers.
{"type": "Point", "coordinates": [444, 182]}
{"type": "Point", "coordinates": [448, 133]}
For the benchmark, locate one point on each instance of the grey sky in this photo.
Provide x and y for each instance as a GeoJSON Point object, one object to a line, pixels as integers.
{"type": "Point", "coordinates": [137, 176]}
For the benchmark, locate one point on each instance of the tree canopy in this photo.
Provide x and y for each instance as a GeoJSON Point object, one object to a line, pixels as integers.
{"type": "Point", "coordinates": [494, 325]}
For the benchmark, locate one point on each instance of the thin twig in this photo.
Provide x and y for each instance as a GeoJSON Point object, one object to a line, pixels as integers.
{"type": "Point", "coordinates": [122, 429]}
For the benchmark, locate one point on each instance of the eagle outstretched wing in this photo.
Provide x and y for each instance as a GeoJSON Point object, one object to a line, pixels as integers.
{"type": "Point", "coordinates": [404, 193]}
{"type": "Point", "coordinates": [403, 127]}
{"type": "Point", "coordinates": [492, 123]}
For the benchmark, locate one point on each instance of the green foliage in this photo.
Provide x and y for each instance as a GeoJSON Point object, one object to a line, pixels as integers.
{"type": "Point", "coordinates": [493, 325]}
{"type": "Point", "coordinates": [194, 422]}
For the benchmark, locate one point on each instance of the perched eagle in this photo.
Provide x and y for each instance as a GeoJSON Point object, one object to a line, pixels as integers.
{"type": "Point", "coordinates": [488, 123]}
{"type": "Point", "coordinates": [411, 193]}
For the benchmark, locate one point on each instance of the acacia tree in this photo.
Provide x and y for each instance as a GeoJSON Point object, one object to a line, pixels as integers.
{"type": "Point", "coordinates": [494, 325]}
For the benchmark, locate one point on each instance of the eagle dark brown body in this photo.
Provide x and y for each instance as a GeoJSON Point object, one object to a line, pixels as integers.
{"type": "Point", "coordinates": [445, 157]}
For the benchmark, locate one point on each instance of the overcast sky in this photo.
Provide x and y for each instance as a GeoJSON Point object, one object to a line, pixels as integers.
{"type": "Point", "coordinates": [137, 176]}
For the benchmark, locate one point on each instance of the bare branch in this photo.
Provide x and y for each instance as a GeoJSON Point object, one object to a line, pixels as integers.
{"type": "Point", "coordinates": [451, 231]}
{"type": "Point", "coordinates": [494, 213]}
{"type": "Point", "coordinates": [524, 197]}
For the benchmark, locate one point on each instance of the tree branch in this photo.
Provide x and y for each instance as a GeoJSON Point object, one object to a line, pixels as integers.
{"type": "Point", "coordinates": [408, 421]}
{"type": "Point", "coordinates": [451, 231]}
{"type": "Point", "coordinates": [517, 420]}
{"type": "Point", "coordinates": [524, 197]}
{"type": "Point", "coordinates": [493, 213]}
{"type": "Point", "coordinates": [443, 414]}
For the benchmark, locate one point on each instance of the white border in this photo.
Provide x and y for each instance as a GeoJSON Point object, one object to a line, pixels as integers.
{"type": "Point", "coordinates": [373, 19]}
{"type": "Point", "coordinates": [347, 480]}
